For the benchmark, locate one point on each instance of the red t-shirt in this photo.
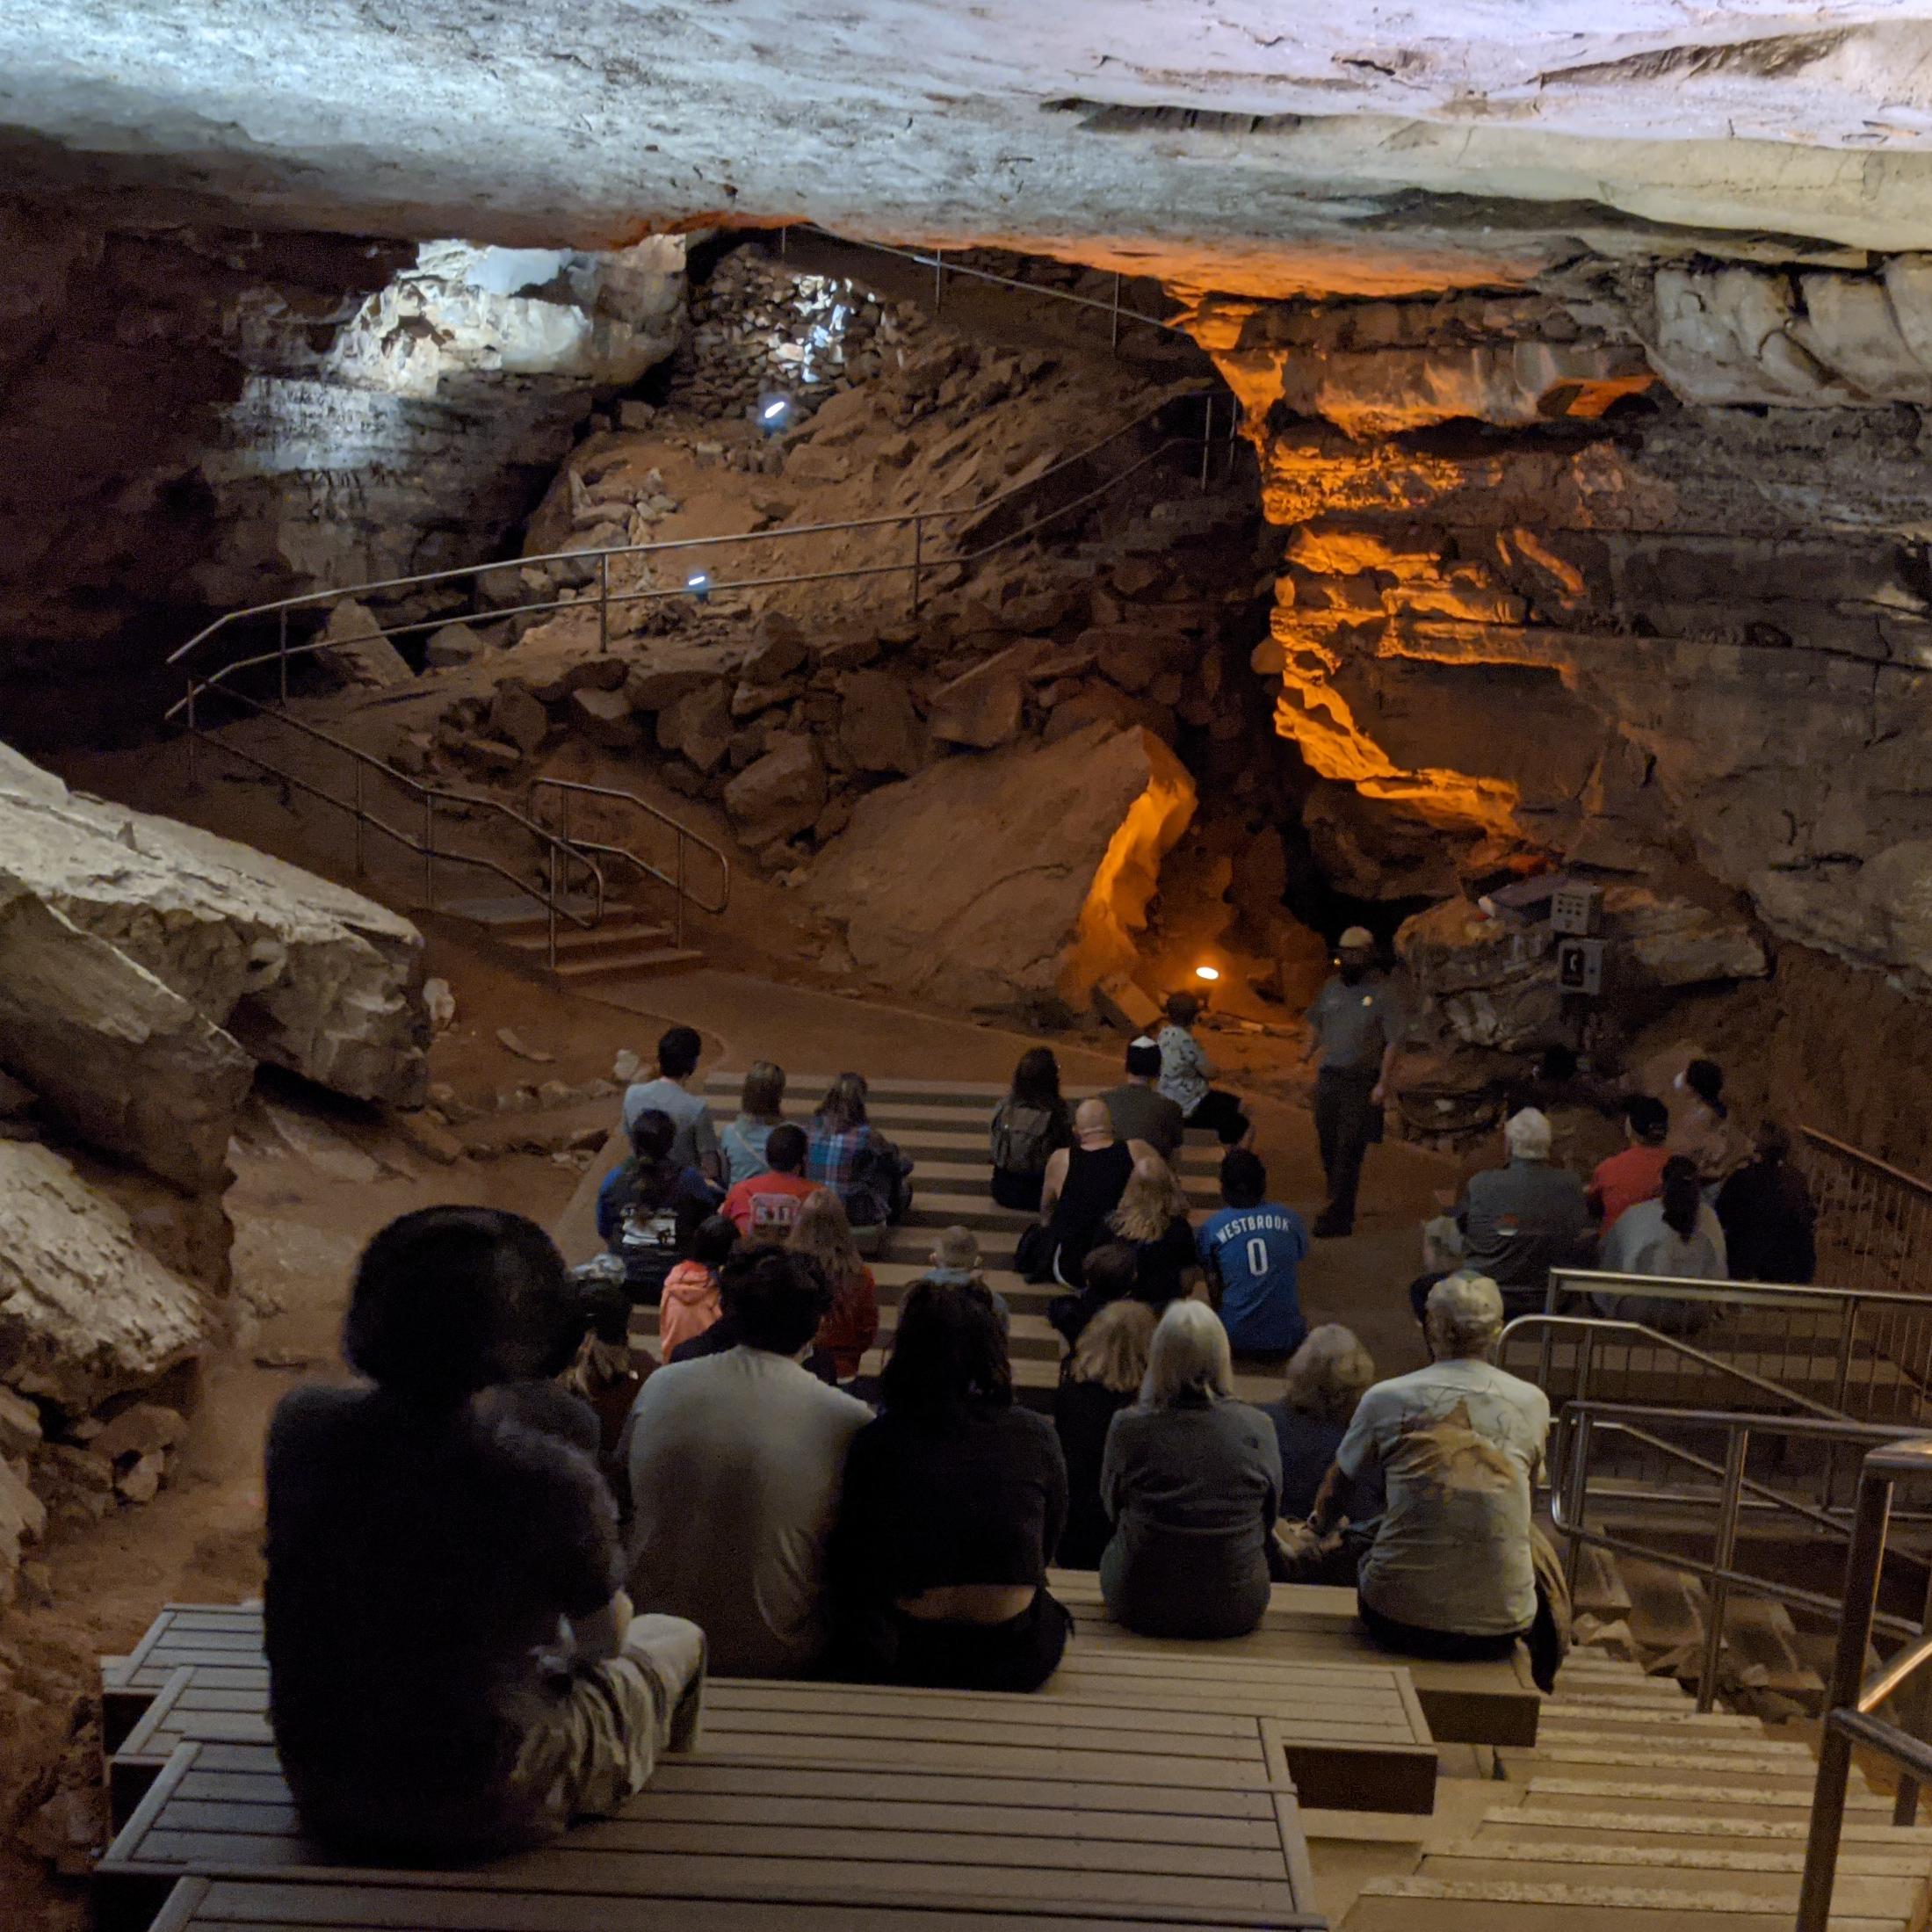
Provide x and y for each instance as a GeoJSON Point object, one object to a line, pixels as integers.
{"type": "Point", "coordinates": [1635, 1174]}
{"type": "Point", "coordinates": [765, 1207]}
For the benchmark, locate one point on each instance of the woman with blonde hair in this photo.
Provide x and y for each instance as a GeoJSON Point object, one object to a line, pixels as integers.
{"type": "Point", "coordinates": [760, 1108]}
{"type": "Point", "coordinates": [1191, 1482]}
{"type": "Point", "coordinates": [1099, 1378]}
{"type": "Point", "coordinates": [1325, 1379]}
{"type": "Point", "coordinates": [852, 1323]}
{"type": "Point", "coordinates": [1151, 1220]}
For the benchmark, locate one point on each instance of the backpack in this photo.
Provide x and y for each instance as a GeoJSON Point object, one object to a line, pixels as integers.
{"type": "Point", "coordinates": [1023, 1137]}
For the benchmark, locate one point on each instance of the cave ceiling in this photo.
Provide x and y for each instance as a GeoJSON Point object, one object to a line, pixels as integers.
{"type": "Point", "coordinates": [1245, 145]}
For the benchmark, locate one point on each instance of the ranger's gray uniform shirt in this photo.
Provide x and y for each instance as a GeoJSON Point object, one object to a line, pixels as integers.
{"type": "Point", "coordinates": [1355, 1024]}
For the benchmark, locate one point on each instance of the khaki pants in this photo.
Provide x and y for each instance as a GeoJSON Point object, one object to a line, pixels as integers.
{"type": "Point", "coordinates": [601, 1746]}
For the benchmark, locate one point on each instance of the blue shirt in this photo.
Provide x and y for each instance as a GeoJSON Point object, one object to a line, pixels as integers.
{"type": "Point", "coordinates": [1257, 1252]}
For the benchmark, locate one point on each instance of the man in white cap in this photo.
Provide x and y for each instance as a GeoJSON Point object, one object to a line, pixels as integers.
{"type": "Point", "coordinates": [1355, 1023]}
{"type": "Point", "coordinates": [1521, 1220]}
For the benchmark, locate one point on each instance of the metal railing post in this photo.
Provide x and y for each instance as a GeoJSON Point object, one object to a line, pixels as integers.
{"type": "Point", "coordinates": [428, 850]}
{"type": "Point", "coordinates": [1868, 1549]}
{"type": "Point", "coordinates": [1905, 1805]}
{"type": "Point", "coordinates": [194, 741]}
{"type": "Point", "coordinates": [1114, 340]}
{"type": "Point", "coordinates": [1207, 436]}
{"type": "Point", "coordinates": [553, 909]}
{"type": "Point", "coordinates": [918, 558]}
{"type": "Point", "coordinates": [281, 652]}
{"type": "Point", "coordinates": [1575, 1479]}
{"type": "Point", "coordinates": [938, 279]}
{"type": "Point", "coordinates": [356, 791]}
{"type": "Point", "coordinates": [677, 932]}
{"type": "Point", "coordinates": [603, 601]}
{"type": "Point", "coordinates": [1729, 1502]}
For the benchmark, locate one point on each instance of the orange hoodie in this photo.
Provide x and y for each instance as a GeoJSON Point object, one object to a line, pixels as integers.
{"type": "Point", "coordinates": [688, 1305]}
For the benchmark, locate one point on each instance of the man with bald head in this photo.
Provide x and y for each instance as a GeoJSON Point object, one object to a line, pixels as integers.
{"type": "Point", "coordinates": [1083, 1187]}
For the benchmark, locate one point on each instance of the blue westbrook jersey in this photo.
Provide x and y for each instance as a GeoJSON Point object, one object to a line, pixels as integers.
{"type": "Point", "coordinates": [1257, 1253]}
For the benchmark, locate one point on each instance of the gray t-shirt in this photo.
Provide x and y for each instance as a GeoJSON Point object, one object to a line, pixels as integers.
{"type": "Point", "coordinates": [696, 1136]}
{"type": "Point", "coordinates": [1145, 1113]}
{"type": "Point", "coordinates": [1522, 1221]}
{"type": "Point", "coordinates": [1355, 1024]}
{"type": "Point", "coordinates": [737, 1464]}
{"type": "Point", "coordinates": [1458, 1446]}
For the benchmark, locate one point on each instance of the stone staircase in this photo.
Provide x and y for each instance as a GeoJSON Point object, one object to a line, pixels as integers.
{"type": "Point", "coordinates": [626, 943]}
{"type": "Point", "coordinates": [1633, 1813]}
{"type": "Point", "coordinates": [944, 1127]}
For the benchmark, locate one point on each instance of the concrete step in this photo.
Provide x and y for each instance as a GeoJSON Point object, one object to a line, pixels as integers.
{"type": "Point", "coordinates": [643, 962]}
{"type": "Point", "coordinates": [1571, 1788]}
{"type": "Point", "coordinates": [609, 935]}
{"type": "Point", "coordinates": [1769, 1875]}
{"type": "Point", "coordinates": [1534, 1822]}
{"type": "Point", "coordinates": [1435, 1905]}
{"type": "Point", "coordinates": [1594, 1725]}
{"type": "Point", "coordinates": [1764, 1765]}
{"type": "Point", "coordinates": [1635, 1694]}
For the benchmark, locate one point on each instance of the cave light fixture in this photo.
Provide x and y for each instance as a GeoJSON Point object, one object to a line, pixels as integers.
{"type": "Point", "coordinates": [1207, 974]}
{"type": "Point", "coordinates": [698, 584]}
{"type": "Point", "coordinates": [774, 414]}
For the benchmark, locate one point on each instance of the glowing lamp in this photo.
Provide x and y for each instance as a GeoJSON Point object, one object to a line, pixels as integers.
{"type": "Point", "coordinates": [698, 584]}
{"type": "Point", "coordinates": [774, 412]}
{"type": "Point", "coordinates": [1207, 972]}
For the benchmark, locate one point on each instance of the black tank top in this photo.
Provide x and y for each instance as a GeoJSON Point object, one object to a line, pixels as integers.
{"type": "Point", "coordinates": [1094, 1182]}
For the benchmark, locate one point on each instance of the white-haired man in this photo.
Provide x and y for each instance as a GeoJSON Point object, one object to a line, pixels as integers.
{"type": "Point", "coordinates": [1521, 1220]}
{"type": "Point", "coordinates": [1458, 1446]}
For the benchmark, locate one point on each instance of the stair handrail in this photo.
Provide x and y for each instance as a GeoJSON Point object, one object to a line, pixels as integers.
{"type": "Point", "coordinates": [1860, 1198]}
{"type": "Point", "coordinates": [916, 519]}
{"type": "Point", "coordinates": [1851, 1699]}
{"type": "Point", "coordinates": [680, 886]}
{"type": "Point", "coordinates": [554, 847]}
{"type": "Point", "coordinates": [1569, 1499]}
{"type": "Point", "coordinates": [1845, 1305]}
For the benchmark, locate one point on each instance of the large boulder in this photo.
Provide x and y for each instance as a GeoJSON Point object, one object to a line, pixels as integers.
{"type": "Point", "coordinates": [981, 707]}
{"type": "Point", "coordinates": [877, 728]}
{"type": "Point", "coordinates": [779, 795]}
{"type": "Point", "coordinates": [352, 648]}
{"type": "Point", "coordinates": [298, 972]}
{"type": "Point", "coordinates": [984, 881]}
{"type": "Point", "coordinates": [85, 1310]}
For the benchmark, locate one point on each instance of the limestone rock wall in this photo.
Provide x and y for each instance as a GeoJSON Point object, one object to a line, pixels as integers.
{"type": "Point", "coordinates": [197, 418]}
{"type": "Point", "coordinates": [1666, 633]}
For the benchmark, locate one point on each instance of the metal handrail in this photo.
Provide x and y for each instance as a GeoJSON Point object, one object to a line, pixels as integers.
{"type": "Point", "coordinates": [1845, 1151]}
{"type": "Point", "coordinates": [568, 788]}
{"type": "Point", "coordinates": [1583, 1422]}
{"type": "Point", "coordinates": [899, 519]}
{"type": "Point", "coordinates": [1762, 1294]}
{"type": "Point", "coordinates": [941, 268]}
{"type": "Point", "coordinates": [553, 846]}
{"type": "Point", "coordinates": [1850, 1700]}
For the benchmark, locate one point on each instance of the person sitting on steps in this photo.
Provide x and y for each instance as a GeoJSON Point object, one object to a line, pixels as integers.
{"type": "Point", "coordinates": [850, 1325]}
{"type": "Point", "coordinates": [760, 1108]}
{"type": "Point", "coordinates": [1637, 1173]}
{"type": "Point", "coordinates": [1100, 1375]}
{"type": "Point", "coordinates": [454, 1671]}
{"type": "Point", "coordinates": [696, 1141]}
{"type": "Point", "coordinates": [1521, 1219]}
{"type": "Point", "coordinates": [1151, 1220]}
{"type": "Point", "coordinates": [1031, 1125]}
{"type": "Point", "coordinates": [953, 1504]}
{"type": "Point", "coordinates": [764, 1206]}
{"type": "Point", "coordinates": [848, 1155]}
{"type": "Point", "coordinates": [736, 1460]}
{"type": "Point", "coordinates": [1140, 1111]}
{"type": "Point", "coordinates": [1083, 1188]}
{"type": "Point", "coordinates": [1110, 1274]}
{"type": "Point", "coordinates": [1186, 1071]}
{"type": "Point", "coordinates": [690, 1303]}
{"type": "Point", "coordinates": [1253, 1250]}
{"type": "Point", "coordinates": [649, 1207]}
{"type": "Point", "coordinates": [957, 1264]}
{"type": "Point", "coordinates": [1458, 1447]}
{"type": "Point", "coordinates": [1191, 1482]}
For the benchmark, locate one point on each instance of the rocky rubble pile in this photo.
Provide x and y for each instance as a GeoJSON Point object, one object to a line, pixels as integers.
{"type": "Point", "coordinates": [760, 330]}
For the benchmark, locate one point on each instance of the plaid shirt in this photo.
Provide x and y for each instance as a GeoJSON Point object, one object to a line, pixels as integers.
{"type": "Point", "coordinates": [833, 1156]}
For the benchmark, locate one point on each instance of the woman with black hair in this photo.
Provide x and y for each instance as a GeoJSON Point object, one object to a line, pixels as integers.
{"type": "Point", "coordinates": [453, 1668]}
{"type": "Point", "coordinates": [1701, 1127]}
{"type": "Point", "coordinates": [954, 1500]}
{"type": "Point", "coordinates": [649, 1208]}
{"type": "Point", "coordinates": [1677, 1236]}
{"type": "Point", "coordinates": [1030, 1124]}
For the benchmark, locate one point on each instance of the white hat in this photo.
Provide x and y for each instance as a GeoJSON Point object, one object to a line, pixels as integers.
{"type": "Point", "coordinates": [1356, 939]}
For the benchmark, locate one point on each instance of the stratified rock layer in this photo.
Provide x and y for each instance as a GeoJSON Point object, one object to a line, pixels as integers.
{"type": "Point", "coordinates": [85, 1310]}
{"type": "Point", "coordinates": [297, 972]}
